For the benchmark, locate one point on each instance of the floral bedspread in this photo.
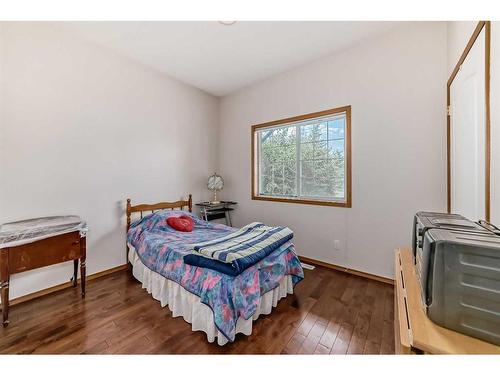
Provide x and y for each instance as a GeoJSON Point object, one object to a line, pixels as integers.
{"type": "Point", "coordinates": [161, 249]}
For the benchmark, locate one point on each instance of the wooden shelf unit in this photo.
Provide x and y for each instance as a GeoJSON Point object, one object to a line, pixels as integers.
{"type": "Point", "coordinates": [414, 332]}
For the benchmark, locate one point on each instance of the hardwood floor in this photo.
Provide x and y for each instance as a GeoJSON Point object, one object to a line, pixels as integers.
{"type": "Point", "coordinates": [331, 312]}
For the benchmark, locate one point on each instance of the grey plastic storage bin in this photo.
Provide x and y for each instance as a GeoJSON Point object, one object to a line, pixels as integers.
{"type": "Point", "coordinates": [423, 221]}
{"type": "Point", "coordinates": [461, 281]}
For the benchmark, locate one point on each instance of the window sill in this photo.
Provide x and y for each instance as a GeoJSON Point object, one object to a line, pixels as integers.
{"type": "Point", "coordinates": [317, 202]}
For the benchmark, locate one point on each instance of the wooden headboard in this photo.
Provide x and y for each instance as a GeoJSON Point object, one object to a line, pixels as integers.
{"type": "Point", "coordinates": [156, 206]}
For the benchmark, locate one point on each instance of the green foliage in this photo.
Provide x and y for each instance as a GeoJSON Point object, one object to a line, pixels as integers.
{"type": "Point", "coordinates": [321, 163]}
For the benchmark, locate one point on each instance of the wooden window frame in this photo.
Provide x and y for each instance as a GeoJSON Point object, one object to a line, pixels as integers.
{"type": "Point", "coordinates": [487, 173]}
{"type": "Point", "coordinates": [347, 203]}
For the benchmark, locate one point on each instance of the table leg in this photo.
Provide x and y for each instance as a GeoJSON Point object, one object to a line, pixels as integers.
{"type": "Point", "coordinates": [83, 265]}
{"type": "Point", "coordinates": [228, 219]}
{"type": "Point", "coordinates": [82, 274]}
{"type": "Point", "coordinates": [75, 272]}
{"type": "Point", "coordinates": [4, 285]}
{"type": "Point", "coordinates": [5, 303]}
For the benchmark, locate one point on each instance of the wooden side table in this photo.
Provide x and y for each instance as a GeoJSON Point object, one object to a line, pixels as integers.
{"type": "Point", "coordinates": [414, 331]}
{"type": "Point", "coordinates": [27, 253]}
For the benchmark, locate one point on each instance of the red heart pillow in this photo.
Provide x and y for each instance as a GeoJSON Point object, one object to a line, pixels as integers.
{"type": "Point", "coordinates": [182, 223]}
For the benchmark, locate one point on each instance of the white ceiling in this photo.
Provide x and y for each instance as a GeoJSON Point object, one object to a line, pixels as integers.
{"type": "Point", "coordinates": [220, 59]}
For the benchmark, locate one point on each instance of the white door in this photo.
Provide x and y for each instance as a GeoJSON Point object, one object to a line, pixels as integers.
{"type": "Point", "coordinates": [467, 100]}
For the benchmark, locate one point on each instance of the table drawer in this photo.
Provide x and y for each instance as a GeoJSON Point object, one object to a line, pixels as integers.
{"type": "Point", "coordinates": [45, 252]}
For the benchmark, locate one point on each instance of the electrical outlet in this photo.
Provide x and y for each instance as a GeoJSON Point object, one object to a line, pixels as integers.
{"type": "Point", "coordinates": [336, 245]}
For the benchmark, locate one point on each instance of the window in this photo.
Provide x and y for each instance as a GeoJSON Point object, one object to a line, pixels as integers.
{"type": "Point", "coordinates": [304, 159]}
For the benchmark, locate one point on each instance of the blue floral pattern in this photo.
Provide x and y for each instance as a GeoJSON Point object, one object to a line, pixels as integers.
{"type": "Point", "coordinates": [161, 249]}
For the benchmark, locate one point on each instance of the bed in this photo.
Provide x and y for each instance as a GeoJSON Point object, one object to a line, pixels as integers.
{"type": "Point", "coordinates": [215, 303]}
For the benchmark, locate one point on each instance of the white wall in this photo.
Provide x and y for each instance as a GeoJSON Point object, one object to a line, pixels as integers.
{"type": "Point", "coordinates": [74, 118]}
{"type": "Point", "coordinates": [459, 34]}
{"type": "Point", "coordinates": [82, 129]}
{"type": "Point", "coordinates": [396, 85]}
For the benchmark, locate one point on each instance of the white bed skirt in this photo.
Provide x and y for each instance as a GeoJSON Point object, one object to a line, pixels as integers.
{"type": "Point", "coordinates": [188, 305]}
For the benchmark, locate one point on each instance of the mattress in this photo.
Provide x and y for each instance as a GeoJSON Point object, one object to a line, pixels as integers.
{"type": "Point", "coordinates": [162, 249]}
{"type": "Point", "coordinates": [187, 305]}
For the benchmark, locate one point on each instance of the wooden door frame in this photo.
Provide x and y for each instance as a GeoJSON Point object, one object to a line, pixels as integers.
{"type": "Point", "coordinates": [487, 173]}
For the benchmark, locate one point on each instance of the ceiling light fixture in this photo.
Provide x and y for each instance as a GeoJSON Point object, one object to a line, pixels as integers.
{"type": "Point", "coordinates": [227, 23]}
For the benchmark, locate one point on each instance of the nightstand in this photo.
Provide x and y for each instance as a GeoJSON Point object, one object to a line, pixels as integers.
{"type": "Point", "coordinates": [212, 211]}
